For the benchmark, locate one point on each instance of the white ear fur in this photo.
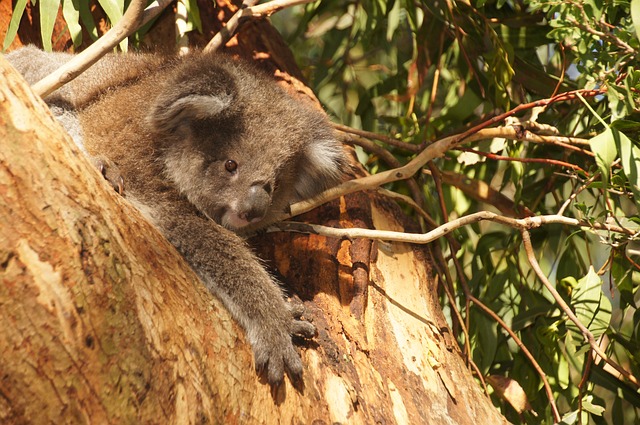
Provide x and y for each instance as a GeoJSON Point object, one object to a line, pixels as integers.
{"type": "Point", "coordinates": [164, 118]}
{"type": "Point", "coordinates": [320, 168]}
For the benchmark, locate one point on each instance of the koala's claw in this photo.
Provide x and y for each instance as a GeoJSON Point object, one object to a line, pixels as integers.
{"type": "Point", "coordinates": [276, 355]}
{"type": "Point", "coordinates": [296, 308]}
{"type": "Point", "coordinates": [275, 358]}
{"type": "Point", "coordinates": [111, 173]}
{"type": "Point", "coordinates": [303, 328]}
{"type": "Point", "coordinates": [300, 327]}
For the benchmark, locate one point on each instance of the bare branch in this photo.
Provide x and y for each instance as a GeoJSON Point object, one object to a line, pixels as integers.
{"type": "Point", "coordinates": [432, 151]}
{"type": "Point", "coordinates": [525, 351]}
{"type": "Point", "coordinates": [370, 135]}
{"type": "Point", "coordinates": [549, 161]}
{"type": "Point", "coordinates": [586, 333]}
{"type": "Point", "coordinates": [248, 10]}
{"type": "Point", "coordinates": [134, 17]}
{"type": "Point", "coordinates": [423, 238]}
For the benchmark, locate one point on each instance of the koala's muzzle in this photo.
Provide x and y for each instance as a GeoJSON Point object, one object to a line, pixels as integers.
{"type": "Point", "coordinates": [256, 204]}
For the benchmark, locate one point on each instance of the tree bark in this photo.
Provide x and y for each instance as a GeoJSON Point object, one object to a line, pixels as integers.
{"type": "Point", "coordinates": [105, 323]}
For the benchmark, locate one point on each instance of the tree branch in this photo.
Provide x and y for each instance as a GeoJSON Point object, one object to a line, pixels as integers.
{"type": "Point", "coordinates": [424, 238]}
{"type": "Point", "coordinates": [434, 150]}
{"type": "Point", "coordinates": [586, 333]}
{"type": "Point", "coordinates": [525, 351]}
{"type": "Point", "coordinates": [135, 16]}
{"type": "Point", "coordinates": [248, 10]}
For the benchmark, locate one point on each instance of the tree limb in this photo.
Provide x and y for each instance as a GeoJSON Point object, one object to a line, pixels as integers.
{"type": "Point", "coordinates": [134, 17]}
{"type": "Point", "coordinates": [248, 10]}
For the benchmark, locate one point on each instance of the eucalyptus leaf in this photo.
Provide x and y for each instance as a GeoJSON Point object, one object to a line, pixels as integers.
{"type": "Point", "coordinates": [12, 30]}
{"type": "Point", "coordinates": [114, 10]}
{"type": "Point", "coordinates": [591, 305]}
{"type": "Point", "coordinates": [48, 14]}
{"type": "Point", "coordinates": [71, 13]}
{"type": "Point", "coordinates": [194, 14]}
{"type": "Point", "coordinates": [393, 20]}
{"type": "Point", "coordinates": [635, 16]}
{"type": "Point", "coordinates": [87, 20]}
{"type": "Point", "coordinates": [604, 147]}
{"type": "Point", "coordinates": [630, 156]}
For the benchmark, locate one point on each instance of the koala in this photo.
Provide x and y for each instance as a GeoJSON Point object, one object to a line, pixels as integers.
{"type": "Point", "coordinates": [207, 145]}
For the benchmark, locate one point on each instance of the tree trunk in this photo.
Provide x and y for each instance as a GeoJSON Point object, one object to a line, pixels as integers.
{"type": "Point", "coordinates": [105, 323]}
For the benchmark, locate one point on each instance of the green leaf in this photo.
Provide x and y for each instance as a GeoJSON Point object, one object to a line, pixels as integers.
{"type": "Point", "coordinates": [604, 147]}
{"type": "Point", "coordinates": [590, 304]}
{"type": "Point", "coordinates": [617, 413]}
{"type": "Point", "coordinates": [71, 13]}
{"type": "Point", "coordinates": [393, 20]}
{"type": "Point", "coordinates": [615, 385]}
{"type": "Point", "coordinates": [630, 156]}
{"type": "Point", "coordinates": [16, 16]}
{"type": "Point", "coordinates": [570, 417]}
{"type": "Point", "coordinates": [87, 20]}
{"type": "Point", "coordinates": [48, 14]}
{"type": "Point", "coordinates": [564, 377]}
{"type": "Point", "coordinates": [114, 10]}
{"type": "Point", "coordinates": [626, 125]}
{"type": "Point", "coordinates": [193, 12]}
{"type": "Point", "coordinates": [635, 16]}
{"type": "Point", "coordinates": [589, 406]}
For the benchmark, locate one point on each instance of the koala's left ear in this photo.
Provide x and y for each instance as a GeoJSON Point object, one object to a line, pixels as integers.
{"type": "Point", "coordinates": [168, 114]}
{"type": "Point", "coordinates": [321, 167]}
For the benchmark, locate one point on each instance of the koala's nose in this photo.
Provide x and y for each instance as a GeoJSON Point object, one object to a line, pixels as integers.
{"type": "Point", "coordinates": [256, 204]}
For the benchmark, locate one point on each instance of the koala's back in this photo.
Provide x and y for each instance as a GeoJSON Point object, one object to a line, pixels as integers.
{"type": "Point", "coordinates": [116, 122]}
{"type": "Point", "coordinates": [113, 125]}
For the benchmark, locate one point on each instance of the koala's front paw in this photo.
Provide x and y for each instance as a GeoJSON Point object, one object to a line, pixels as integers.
{"type": "Point", "coordinates": [110, 172]}
{"type": "Point", "coordinates": [274, 351]}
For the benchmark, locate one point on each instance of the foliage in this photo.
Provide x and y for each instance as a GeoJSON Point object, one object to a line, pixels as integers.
{"type": "Point", "coordinates": [419, 71]}
{"type": "Point", "coordinates": [78, 16]}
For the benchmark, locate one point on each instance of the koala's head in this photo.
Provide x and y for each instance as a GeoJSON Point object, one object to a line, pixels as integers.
{"type": "Point", "coordinates": [236, 145]}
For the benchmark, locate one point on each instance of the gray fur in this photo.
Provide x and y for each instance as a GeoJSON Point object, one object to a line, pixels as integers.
{"type": "Point", "coordinates": [171, 126]}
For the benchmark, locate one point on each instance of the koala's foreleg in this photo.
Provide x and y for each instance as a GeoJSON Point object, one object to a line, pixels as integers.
{"type": "Point", "coordinates": [233, 273]}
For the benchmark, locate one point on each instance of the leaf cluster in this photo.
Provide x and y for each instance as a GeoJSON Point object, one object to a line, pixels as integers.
{"type": "Point", "coordinates": [419, 71]}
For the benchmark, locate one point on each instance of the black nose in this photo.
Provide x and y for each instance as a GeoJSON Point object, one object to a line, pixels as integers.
{"type": "Point", "coordinates": [256, 204]}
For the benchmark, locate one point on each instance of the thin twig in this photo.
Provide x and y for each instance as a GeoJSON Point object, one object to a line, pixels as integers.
{"type": "Point", "coordinates": [575, 194]}
{"type": "Point", "coordinates": [372, 147]}
{"type": "Point", "coordinates": [608, 36]}
{"type": "Point", "coordinates": [248, 10]}
{"type": "Point", "coordinates": [586, 333]}
{"type": "Point", "coordinates": [386, 157]}
{"type": "Point", "coordinates": [524, 160]}
{"type": "Point", "coordinates": [436, 79]}
{"type": "Point", "coordinates": [379, 137]}
{"type": "Point", "coordinates": [412, 203]}
{"type": "Point", "coordinates": [525, 351]}
{"type": "Point", "coordinates": [132, 19]}
{"type": "Point", "coordinates": [424, 238]}
{"type": "Point", "coordinates": [482, 191]}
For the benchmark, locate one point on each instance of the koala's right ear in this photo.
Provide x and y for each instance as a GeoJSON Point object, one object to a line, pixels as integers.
{"type": "Point", "coordinates": [167, 115]}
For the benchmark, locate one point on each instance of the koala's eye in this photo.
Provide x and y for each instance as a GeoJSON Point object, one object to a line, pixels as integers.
{"type": "Point", "coordinates": [231, 166]}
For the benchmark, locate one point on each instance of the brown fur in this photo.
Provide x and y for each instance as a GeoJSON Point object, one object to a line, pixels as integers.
{"type": "Point", "coordinates": [171, 126]}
